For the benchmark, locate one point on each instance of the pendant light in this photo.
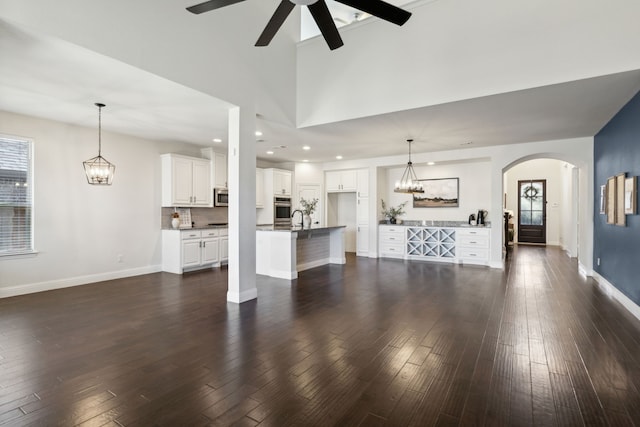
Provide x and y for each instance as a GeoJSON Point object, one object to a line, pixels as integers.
{"type": "Point", "coordinates": [99, 170]}
{"type": "Point", "coordinates": [409, 182]}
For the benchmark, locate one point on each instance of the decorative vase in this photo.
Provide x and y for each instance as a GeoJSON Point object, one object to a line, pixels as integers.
{"type": "Point", "coordinates": [175, 223]}
{"type": "Point", "coordinates": [392, 220]}
{"type": "Point", "coordinates": [306, 221]}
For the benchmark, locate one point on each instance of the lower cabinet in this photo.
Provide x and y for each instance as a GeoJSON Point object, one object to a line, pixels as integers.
{"type": "Point", "coordinates": [473, 245]}
{"type": "Point", "coordinates": [224, 245]}
{"type": "Point", "coordinates": [192, 249]}
{"type": "Point", "coordinates": [447, 244]}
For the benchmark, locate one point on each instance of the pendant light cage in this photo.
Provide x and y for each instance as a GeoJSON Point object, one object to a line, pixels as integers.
{"type": "Point", "coordinates": [409, 183]}
{"type": "Point", "coordinates": [99, 171]}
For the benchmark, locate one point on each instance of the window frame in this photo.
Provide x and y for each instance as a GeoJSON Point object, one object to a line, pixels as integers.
{"type": "Point", "coordinates": [30, 197]}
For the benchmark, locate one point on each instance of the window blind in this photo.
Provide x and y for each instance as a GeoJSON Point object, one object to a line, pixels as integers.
{"type": "Point", "coordinates": [16, 232]}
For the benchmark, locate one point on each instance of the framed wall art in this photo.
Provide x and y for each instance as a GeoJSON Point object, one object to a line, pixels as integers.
{"type": "Point", "coordinates": [611, 200]}
{"type": "Point", "coordinates": [630, 196]}
{"type": "Point", "coordinates": [621, 218]}
{"type": "Point", "coordinates": [438, 193]}
{"type": "Point", "coordinates": [603, 199]}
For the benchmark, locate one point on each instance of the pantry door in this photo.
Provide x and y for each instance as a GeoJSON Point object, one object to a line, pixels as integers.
{"type": "Point", "coordinates": [532, 211]}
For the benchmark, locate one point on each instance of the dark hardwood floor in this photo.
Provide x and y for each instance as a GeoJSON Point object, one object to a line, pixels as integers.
{"type": "Point", "coordinates": [374, 342]}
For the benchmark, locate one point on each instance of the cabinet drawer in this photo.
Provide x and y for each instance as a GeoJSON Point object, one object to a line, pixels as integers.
{"type": "Point", "coordinates": [194, 234]}
{"type": "Point", "coordinates": [474, 241]}
{"type": "Point", "coordinates": [392, 238]}
{"type": "Point", "coordinates": [224, 231]}
{"type": "Point", "coordinates": [392, 229]}
{"type": "Point", "coordinates": [471, 253]}
{"type": "Point", "coordinates": [390, 248]}
{"type": "Point", "coordinates": [473, 232]}
{"type": "Point", "coordinates": [210, 233]}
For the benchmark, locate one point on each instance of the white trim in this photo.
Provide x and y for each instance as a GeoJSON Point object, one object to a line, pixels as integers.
{"type": "Point", "coordinates": [244, 296]}
{"type": "Point", "coordinates": [613, 292]}
{"type": "Point", "coordinates": [313, 264]}
{"type": "Point", "coordinates": [497, 264]}
{"type": "Point", "coordinates": [584, 270]}
{"type": "Point", "coordinates": [75, 281]}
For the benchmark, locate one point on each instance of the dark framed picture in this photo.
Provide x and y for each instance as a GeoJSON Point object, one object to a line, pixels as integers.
{"type": "Point", "coordinates": [611, 200]}
{"type": "Point", "coordinates": [438, 193]}
{"type": "Point", "coordinates": [621, 218]}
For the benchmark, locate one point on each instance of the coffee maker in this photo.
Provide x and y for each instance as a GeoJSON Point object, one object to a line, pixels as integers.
{"type": "Point", "coordinates": [481, 217]}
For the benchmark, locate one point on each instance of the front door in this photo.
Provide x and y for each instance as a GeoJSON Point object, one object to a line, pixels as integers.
{"type": "Point", "coordinates": [532, 211]}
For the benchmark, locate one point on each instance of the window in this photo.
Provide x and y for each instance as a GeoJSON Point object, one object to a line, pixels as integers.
{"type": "Point", "coordinates": [16, 197]}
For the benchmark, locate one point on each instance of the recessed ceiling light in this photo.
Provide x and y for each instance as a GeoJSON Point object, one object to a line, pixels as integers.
{"type": "Point", "coordinates": [339, 157]}
{"type": "Point", "coordinates": [467, 143]}
{"type": "Point", "coordinates": [306, 161]}
{"type": "Point", "coordinates": [431, 163]}
{"type": "Point", "coordinates": [270, 153]}
{"type": "Point", "coordinates": [306, 147]}
{"type": "Point", "coordinates": [258, 133]}
{"type": "Point", "coordinates": [217, 140]}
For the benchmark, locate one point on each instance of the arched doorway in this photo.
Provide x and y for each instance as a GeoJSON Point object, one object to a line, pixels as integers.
{"type": "Point", "coordinates": [542, 197]}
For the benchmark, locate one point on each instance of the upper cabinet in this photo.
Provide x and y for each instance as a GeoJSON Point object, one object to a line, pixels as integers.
{"type": "Point", "coordinates": [281, 182]}
{"type": "Point", "coordinates": [339, 181]}
{"type": "Point", "coordinates": [218, 167]}
{"type": "Point", "coordinates": [363, 182]}
{"type": "Point", "coordinates": [186, 181]}
{"type": "Point", "coordinates": [220, 170]}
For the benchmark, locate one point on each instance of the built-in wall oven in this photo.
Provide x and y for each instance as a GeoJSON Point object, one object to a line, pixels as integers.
{"type": "Point", "coordinates": [220, 197]}
{"type": "Point", "coordinates": [282, 211]}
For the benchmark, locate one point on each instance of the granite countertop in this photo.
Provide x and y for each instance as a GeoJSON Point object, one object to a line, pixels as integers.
{"type": "Point", "coordinates": [294, 228]}
{"type": "Point", "coordinates": [197, 227]}
{"type": "Point", "coordinates": [432, 223]}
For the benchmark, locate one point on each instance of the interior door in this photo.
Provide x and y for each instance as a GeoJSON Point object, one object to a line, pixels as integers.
{"type": "Point", "coordinates": [532, 211]}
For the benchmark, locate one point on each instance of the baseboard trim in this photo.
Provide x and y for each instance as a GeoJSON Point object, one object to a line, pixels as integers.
{"type": "Point", "coordinates": [584, 270]}
{"type": "Point", "coordinates": [69, 282]}
{"type": "Point", "coordinates": [613, 292]}
{"type": "Point", "coordinates": [244, 296]}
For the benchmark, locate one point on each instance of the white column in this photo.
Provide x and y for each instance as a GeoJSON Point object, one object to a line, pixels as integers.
{"type": "Point", "coordinates": [242, 206]}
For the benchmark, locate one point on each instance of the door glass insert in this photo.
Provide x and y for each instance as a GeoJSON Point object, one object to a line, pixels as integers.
{"type": "Point", "coordinates": [531, 203]}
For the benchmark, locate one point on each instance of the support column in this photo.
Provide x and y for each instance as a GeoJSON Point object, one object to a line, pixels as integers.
{"type": "Point", "coordinates": [242, 206]}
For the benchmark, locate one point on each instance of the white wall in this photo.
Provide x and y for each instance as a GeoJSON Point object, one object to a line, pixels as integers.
{"type": "Point", "coordinates": [432, 59]}
{"type": "Point", "coordinates": [81, 229]}
{"type": "Point", "coordinates": [474, 190]}
{"type": "Point", "coordinates": [550, 170]}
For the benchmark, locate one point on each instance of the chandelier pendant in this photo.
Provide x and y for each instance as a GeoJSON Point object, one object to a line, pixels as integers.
{"type": "Point", "coordinates": [409, 182]}
{"type": "Point", "coordinates": [99, 170]}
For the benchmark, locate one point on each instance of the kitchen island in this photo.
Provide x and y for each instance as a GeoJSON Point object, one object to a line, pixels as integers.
{"type": "Point", "coordinates": [283, 252]}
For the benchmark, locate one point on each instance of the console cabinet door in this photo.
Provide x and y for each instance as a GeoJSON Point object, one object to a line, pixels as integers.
{"type": "Point", "coordinates": [191, 253]}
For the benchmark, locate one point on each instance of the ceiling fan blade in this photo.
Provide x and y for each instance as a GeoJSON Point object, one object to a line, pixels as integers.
{"type": "Point", "coordinates": [211, 5]}
{"type": "Point", "coordinates": [381, 9]}
{"type": "Point", "coordinates": [279, 16]}
{"type": "Point", "coordinates": [322, 16]}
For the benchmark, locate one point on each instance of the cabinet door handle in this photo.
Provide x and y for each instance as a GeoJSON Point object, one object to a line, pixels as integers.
{"type": "Point", "coordinates": [204, 244]}
{"type": "Point", "coordinates": [473, 242]}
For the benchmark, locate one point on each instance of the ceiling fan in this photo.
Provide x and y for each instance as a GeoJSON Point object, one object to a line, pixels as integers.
{"type": "Point", "coordinates": [320, 13]}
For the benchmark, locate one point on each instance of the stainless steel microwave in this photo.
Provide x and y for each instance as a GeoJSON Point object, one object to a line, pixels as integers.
{"type": "Point", "coordinates": [220, 197]}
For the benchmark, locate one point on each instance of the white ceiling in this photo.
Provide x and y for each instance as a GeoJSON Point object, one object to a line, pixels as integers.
{"type": "Point", "coordinates": [53, 79]}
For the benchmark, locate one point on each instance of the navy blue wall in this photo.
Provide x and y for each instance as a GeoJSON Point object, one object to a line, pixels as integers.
{"type": "Point", "coordinates": [617, 150]}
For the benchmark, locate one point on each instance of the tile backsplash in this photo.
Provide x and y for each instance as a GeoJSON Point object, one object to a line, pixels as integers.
{"type": "Point", "coordinates": [200, 216]}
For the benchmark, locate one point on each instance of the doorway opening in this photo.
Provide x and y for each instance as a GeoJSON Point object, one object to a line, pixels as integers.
{"type": "Point", "coordinates": [532, 211]}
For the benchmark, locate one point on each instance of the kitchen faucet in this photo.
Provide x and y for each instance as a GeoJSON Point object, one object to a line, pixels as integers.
{"type": "Point", "coordinates": [301, 217]}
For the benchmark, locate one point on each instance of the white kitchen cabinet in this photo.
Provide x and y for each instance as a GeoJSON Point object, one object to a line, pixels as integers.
{"type": "Point", "coordinates": [362, 182]}
{"type": "Point", "coordinates": [431, 243]}
{"type": "Point", "coordinates": [362, 240]}
{"type": "Point", "coordinates": [281, 182]}
{"type": "Point", "coordinates": [184, 250]}
{"type": "Point", "coordinates": [341, 181]}
{"type": "Point", "coordinates": [224, 245]}
{"type": "Point", "coordinates": [473, 245]}
{"type": "Point", "coordinates": [185, 181]}
{"type": "Point", "coordinates": [391, 241]}
{"type": "Point", "coordinates": [362, 224]}
{"type": "Point", "coordinates": [259, 188]}
{"type": "Point", "coordinates": [220, 170]}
